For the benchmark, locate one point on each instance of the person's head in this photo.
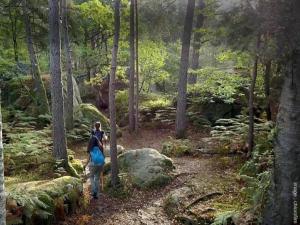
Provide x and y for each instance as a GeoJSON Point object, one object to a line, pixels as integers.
{"type": "Point", "coordinates": [98, 125]}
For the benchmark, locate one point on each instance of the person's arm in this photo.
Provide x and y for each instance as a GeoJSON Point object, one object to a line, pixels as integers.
{"type": "Point", "coordinates": [100, 146]}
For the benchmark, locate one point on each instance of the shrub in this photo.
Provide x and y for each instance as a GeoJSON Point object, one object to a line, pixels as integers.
{"type": "Point", "coordinates": [177, 148]}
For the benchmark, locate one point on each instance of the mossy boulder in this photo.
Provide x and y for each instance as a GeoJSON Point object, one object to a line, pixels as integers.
{"type": "Point", "coordinates": [146, 167]}
{"type": "Point", "coordinates": [91, 114]}
{"type": "Point", "coordinates": [43, 202]}
{"type": "Point", "coordinates": [177, 148]}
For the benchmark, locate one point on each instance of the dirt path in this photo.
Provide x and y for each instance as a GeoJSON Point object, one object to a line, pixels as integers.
{"type": "Point", "coordinates": [205, 174]}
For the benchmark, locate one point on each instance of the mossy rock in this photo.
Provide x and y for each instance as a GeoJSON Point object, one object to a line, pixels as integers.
{"type": "Point", "coordinates": [77, 165]}
{"type": "Point", "coordinates": [44, 202]}
{"type": "Point", "coordinates": [91, 114]}
{"type": "Point", "coordinates": [177, 148]}
{"type": "Point", "coordinates": [147, 167]}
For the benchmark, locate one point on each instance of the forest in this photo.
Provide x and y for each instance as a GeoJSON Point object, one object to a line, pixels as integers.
{"type": "Point", "coordinates": [144, 112]}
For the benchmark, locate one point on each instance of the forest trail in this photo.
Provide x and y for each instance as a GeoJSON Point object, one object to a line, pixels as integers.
{"type": "Point", "coordinates": [145, 207]}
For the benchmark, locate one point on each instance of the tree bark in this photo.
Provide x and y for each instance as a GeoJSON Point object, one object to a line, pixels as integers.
{"type": "Point", "coordinates": [251, 99]}
{"type": "Point", "coordinates": [132, 67]}
{"type": "Point", "coordinates": [184, 63]}
{"type": "Point", "coordinates": [41, 100]}
{"type": "Point", "coordinates": [2, 190]}
{"type": "Point", "coordinates": [267, 78]}
{"type": "Point", "coordinates": [197, 41]}
{"type": "Point", "coordinates": [13, 25]}
{"type": "Point", "coordinates": [59, 138]}
{"type": "Point", "coordinates": [136, 124]}
{"type": "Point", "coordinates": [68, 52]}
{"type": "Point", "coordinates": [112, 106]}
{"type": "Point", "coordinates": [285, 191]}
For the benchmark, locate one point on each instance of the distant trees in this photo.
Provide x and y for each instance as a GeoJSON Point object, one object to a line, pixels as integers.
{"type": "Point", "coordinates": [2, 191]}
{"type": "Point", "coordinates": [40, 98]}
{"type": "Point", "coordinates": [59, 138]}
{"type": "Point", "coordinates": [184, 63]}
{"type": "Point", "coordinates": [112, 106]}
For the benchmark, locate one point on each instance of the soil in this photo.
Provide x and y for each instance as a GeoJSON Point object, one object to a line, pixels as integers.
{"type": "Point", "coordinates": [206, 174]}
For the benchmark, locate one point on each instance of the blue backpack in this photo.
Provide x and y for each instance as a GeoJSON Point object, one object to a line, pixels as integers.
{"type": "Point", "coordinates": [97, 158]}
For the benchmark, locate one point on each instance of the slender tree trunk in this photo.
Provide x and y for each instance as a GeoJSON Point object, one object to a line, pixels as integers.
{"type": "Point", "coordinates": [251, 99]}
{"type": "Point", "coordinates": [87, 65]}
{"type": "Point", "coordinates": [2, 190]}
{"type": "Point", "coordinates": [267, 89]}
{"type": "Point", "coordinates": [68, 51]}
{"type": "Point", "coordinates": [136, 124]}
{"type": "Point", "coordinates": [132, 68]}
{"type": "Point", "coordinates": [41, 100]}
{"type": "Point", "coordinates": [13, 24]}
{"type": "Point", "coordinates": [112, 106]}
{"type": "Point", "coordinates": [59, 137]}
{"type": "Point", "coordinates": [184, 63]}
{"type": "Point", "coordinates": [197, 40]}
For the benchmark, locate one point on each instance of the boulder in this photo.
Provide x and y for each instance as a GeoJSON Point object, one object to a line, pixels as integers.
{"type": "Point", "coordinates": [43, 202]}
{"type": "Point", "coordinates": [91, 114]}
{"type": "Point", "coordinates": [147, 167]}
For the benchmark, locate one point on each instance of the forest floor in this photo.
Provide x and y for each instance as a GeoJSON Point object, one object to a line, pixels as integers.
{"type": "Point", "coordinates": [205, 174]}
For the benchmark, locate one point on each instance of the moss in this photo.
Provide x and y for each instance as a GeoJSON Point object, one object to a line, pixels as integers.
{"type": "Point", "coordinates": [92, 115]}
{"type": "Point", "coordinates": [177, 148]}
{"type": "Point", "coordinates": [77, 165]}
{"type": "Point", "coordinates": [43, 201]}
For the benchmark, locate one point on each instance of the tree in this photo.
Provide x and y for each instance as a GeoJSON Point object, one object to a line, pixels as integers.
{"type": "Point", "coordinates": [68, 52]}
{"type": "Point", "coordinates": [59, 138]}
{"type": "Point", "coordinates": [284, 198]}
{"type": "Point", "coordinates": [132, 67]}
{"type": "Point", "coordinates": [251, 97]}
{"type": "Point", "coordinates": [184, 63]}
{"type": "Point", "coordinates": [267, 77]}
{"type": "Point", "coordinates": [41, 100]}
{"type": "Point", "coordinates": [197, 40]}
{"type": "Point", "coordinates": [136, 124]}
{"type": "Point", "coordinates": [2, 191]}
{"type": "Point", "coordinates": [112, 106]}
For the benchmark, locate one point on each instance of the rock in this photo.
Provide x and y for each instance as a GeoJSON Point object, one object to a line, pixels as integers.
{"type": "Point", "coordinates": [177, 148]}
{"type": "Point", "coordinates": [175, 201]}
{"type": "Point", "coordinates": [147, 167]}
{"type": "Point", "coordinates": [91, 114]}
{"type": "Point", "coordinates": [42, 202]}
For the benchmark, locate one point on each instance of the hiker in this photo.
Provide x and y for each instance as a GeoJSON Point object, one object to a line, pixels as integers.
{"type": "Point", "coordinates": [99, 133]}
{"type": "Point", "coordinates": [96, 162]}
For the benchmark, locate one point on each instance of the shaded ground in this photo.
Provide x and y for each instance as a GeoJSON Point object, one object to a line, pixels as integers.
{"type": "Point", "coordinates": [204, 174]}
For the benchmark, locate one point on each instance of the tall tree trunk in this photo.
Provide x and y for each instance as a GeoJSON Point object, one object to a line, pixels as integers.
{"type": "Point", "coordinates": [112, 106]}
{"type": "Point", "coordinates": [132, 67]}
{"type": "Point", "coordinates": [284, 198]}
{"type": "Point", "coordinates": [184, 63]}
{"type": "Point", "coordinates": [41, 100]}
{"type": "Point", "coordinates": [251, 99]}
{"type": "Point", "coordinates": [267, 78]}
{"type": "Point", "coordinates": [13, 25]}
{"type": "Point", "coordinates": [136, 124]}
{"type": "Point", "coordinates": [2, 191]}
{"type": "Point", "coordinates": [59, 137]}
{"type": "Point", "coordinates": [87, 65]}
{"type": "Point", "coordinates": [68, 52]}
{"type": "Point", "coordinates": [197, 40]}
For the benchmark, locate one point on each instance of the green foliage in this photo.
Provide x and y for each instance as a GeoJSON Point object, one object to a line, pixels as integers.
{"type": "Point", "coordinates": [154, 102]}
{"type": "Point", "coordinates": [121, 105]}
{"type": "Point", "coordinates": [217, 84]}
{"type": "Point", "coordinates": [152, 58]}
